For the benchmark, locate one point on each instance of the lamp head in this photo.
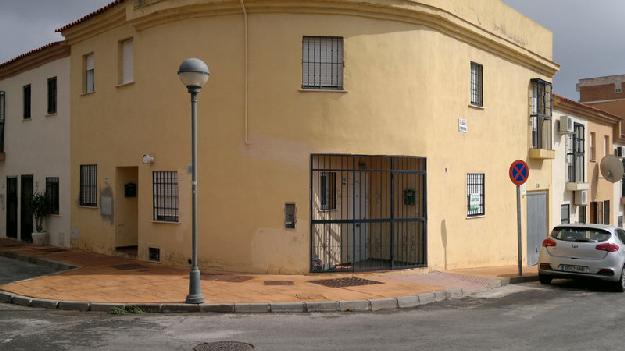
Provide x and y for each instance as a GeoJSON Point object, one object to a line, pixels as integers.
{"type": "Point", "coordinates": [193, 73]}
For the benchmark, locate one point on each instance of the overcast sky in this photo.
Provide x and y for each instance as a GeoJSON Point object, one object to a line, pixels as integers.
{"type": "Point", "coordinates": [587, 33]}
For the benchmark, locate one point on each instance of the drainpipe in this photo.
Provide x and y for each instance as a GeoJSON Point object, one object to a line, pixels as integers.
{"type": "Point", "coordinates": [245, 68]}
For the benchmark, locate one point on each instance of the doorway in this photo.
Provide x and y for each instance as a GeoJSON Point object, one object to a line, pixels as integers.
{"type": "Point", "coordinates": [26, 210]}
{"type": "Point", "coordinates": [536, 225]}
{"type": "Point", "coordinates": [127, 211]}
{"type": "Point", "coordinates": [11, 224]}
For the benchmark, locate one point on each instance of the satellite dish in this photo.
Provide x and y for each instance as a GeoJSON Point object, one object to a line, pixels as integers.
{"type": "Point", "coordinates": [612, 168]}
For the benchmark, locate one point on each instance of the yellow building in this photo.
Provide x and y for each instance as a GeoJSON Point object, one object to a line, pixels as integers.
{"type": "Point", "coordinates": [333, 135]}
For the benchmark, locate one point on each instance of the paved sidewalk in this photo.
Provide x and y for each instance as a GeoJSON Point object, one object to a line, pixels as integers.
{"type": "Point", "coordinates": [101, 278]}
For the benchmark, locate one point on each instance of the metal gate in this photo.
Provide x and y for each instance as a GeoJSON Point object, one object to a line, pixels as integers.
{"type": "Point", "coordinates": [367, 213]}
{"type": "Point", "coordinates": [536, 225]}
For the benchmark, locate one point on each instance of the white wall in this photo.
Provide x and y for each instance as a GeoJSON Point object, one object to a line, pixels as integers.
{"type": "Point", "coordinates": [39, 146]}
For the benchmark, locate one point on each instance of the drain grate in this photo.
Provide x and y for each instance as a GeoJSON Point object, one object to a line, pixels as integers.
{"type": "Point", "coordinates": [279, 282]}
{"type": "Point", "coordinates": [224, 346]}
{"type": "Point", "coordinates": [344, 282]}
{"type": "Point", "coordinates": [128, 266]}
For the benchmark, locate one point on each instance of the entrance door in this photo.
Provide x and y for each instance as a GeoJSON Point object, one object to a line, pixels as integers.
{"type": "Point", "coordinates": [536, 225]}
{"type": "Point", "coordinates": [26, 210]}
{"type": "Point", "coordinates": [11, 229]}
{"type": "Point", "coordinates": [126, 230]}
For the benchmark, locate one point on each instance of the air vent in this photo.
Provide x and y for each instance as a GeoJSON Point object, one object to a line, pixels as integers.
{"type": "Point", "coordinates": [154, 254]}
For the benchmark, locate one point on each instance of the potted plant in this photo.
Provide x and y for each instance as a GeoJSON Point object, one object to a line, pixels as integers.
{"type": "Point", "coordinates": [41, 210]}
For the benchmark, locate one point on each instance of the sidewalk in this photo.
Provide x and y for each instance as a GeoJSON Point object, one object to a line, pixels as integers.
{"type": "Point", "coordinates": [107, 279]}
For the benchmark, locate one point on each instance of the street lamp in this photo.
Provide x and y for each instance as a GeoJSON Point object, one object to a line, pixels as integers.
{"type": "Point", "coordinates": [194, 74]}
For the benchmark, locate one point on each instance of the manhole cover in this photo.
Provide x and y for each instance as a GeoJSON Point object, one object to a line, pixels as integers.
{"type": "Point", "coordinates": [279, 282]}
{"type": "Point", "coordinates": [344, 282]}
{"type": "Point", "coordinates": [224, 346]}
{"type": "Point", "coordinates": [128, 266]}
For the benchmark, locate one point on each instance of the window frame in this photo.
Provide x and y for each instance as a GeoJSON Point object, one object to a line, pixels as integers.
{"type": "Point", "coordinates": [27, 94]}
{"type": "Point", "coordinates": [541, 110]}
{"type": "Point", "coordinates": [566, 207]}
{"type": "Point", "coordinates": [88, 88]}
{"type": "Point", "coordinates": [53, 194]}
{"type": "Point", "coordinates": [88, 196]}
{"type": "Point", "coordinates": [576, 154]}
{"type": "Point", "coordinates": [582, 215]}
{"type": "Point", "coordinates": [122, 64]}
{"type": "Point", "coordinates": [593, 147]}
{"type": "Point", "coordinates": [476, 181]}
{"type": "Point", "coordinates": [165, 207]}
{"type": "Point", "coordinates": [52, 95]}
{"type": "Point", "coordinates": [314, 81]}
{"type": "Point", "coordinates": [477, 85]}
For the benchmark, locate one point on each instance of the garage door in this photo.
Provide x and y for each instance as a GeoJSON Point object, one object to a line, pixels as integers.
{"type": "Point", "coordinates": [536, 224]}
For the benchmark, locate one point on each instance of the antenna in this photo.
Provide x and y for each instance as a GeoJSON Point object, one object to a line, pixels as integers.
{"type": "Point", "coordinates": [612, 168]}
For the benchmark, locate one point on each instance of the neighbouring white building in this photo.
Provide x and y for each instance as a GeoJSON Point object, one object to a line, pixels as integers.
{"type": "Point", "coordinates": [35, 142]}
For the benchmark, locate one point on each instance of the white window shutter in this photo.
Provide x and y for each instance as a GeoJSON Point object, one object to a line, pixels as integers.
{"type": "Point", "coordinates": [127, 61]}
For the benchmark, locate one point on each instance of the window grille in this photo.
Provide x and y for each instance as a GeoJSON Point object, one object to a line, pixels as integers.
{"type": "Point", "coordinates": [2, 118]}
{"type": "Point", "coordinates": [89, 63]}
{"type": "Point", "coordinates": [477, 84]}
{"type": "Point", "coordinates": [582, 215]}
{"type": "Point", "coordinates": [52, 192]}
{"type": "Point", "coordinates": [322, 63]}
{"type": "Point", "coordinates": [26, 98]}
{"type": "Point", "coordinates": [88, 185]}
{"type": "Point", "coordinates": [328, 191]}
{"type": "Point", "coordinates": [165, 195]}
{"type": "Point", "coordinates": [576, 154]}
{"type": "Point", "coordinates": [476, 194]}
{"type": "Point", "coordinates": [565, 214]}
{"type": "Point", "coordinates": [541, 106]}
{"type": "Point", "coordinates": [52, 95]}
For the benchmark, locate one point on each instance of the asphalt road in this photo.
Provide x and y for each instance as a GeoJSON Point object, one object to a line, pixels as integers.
{"type": "Point", "coordinates": [12, 270]}
{"type": "Point", "coordinates": [565, 316]}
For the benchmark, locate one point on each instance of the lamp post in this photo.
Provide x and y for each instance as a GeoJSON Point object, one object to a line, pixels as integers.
{"type": "Point", "coordinates": [194, 74]}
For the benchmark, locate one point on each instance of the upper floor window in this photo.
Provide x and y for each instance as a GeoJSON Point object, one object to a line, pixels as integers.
{"type": "Point", "coordinates": [26, 101]}
{"type": "Point", "coordinates": [52, 95]}
{"type": "Point", "coordinates": [126, 69]}
{"type": "Point", "coordinates": [606, 145]}
{"type": "Point", "coordinates": [575, 154]}
{"type": "Point", "coordinates": [322, 63]}
{"type": "Point", "coordinates": [477, 84]}
{"type": "Point", "coordinates": [2, 118]}
{"type": "Point", "coordinates": [89, 74]}
{"type": "Point", "coordinates": [540, 113]}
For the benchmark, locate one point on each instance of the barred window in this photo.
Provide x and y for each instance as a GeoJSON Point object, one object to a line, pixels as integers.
{"type": "Point", "coordinates": [582, 215]}
{"type": "Point", "coordinates": [565, 214]}
{"type": "Point", "coordinates": [322, 63]}
{"type": "Point", "coordinates": [541, 111]}
{"type": "Point", "coordinates": [476, 194]}
{"type": "Point", "coordinates": [52, 93]}
{"type": "Point", "coordinates": [52, 192]}
{"type": "Point", "coordinates": [88, 185]}
{"type": "Point", "coordinates": [165, 195]}
{"type": "Point", "coordinates": [575, 154]}
{"type": "Point", "coordinates": [477, 84]}
{"type": "Point", "coordinates": [328, 191]}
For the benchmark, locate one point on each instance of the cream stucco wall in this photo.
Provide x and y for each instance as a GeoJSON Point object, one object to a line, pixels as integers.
{"type": "Point", "coordinates": [601, 189]}
{"type": "Point", "coordinates": [406, 87]}
{"type": "Point", "coordinates": [39, 146]}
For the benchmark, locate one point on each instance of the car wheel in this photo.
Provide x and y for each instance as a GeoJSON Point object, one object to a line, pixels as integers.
{"type": "Point", "coordinates": [545, 279]}
{"type": "Point", "coordinates": [619, 286]}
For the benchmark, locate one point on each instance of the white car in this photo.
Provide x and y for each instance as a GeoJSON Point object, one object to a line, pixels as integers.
{"type": "Point", "coordinates": [584, 251]}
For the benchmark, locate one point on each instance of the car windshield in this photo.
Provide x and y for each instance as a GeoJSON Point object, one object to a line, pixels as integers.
{"type": "Point", "coordinates": [580, 234]}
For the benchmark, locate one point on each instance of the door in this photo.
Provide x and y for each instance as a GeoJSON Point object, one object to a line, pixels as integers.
{"type": "Point", "coordinates": [126, 207]}
{"type": "Point", "coordinates": [536, 225]}
{"type": "Point", "coordinates": [26, 210]}
{"type": "Point", "coordinates": [11, 229]}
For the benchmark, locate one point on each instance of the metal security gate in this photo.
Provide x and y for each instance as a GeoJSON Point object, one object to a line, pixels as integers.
{"type": "Point", "coordinates": [536, 224]}
{"type": "Point", "coordinates": [367, 213]}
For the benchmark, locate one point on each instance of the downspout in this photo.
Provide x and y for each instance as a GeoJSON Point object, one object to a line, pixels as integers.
{"type": "Point", "coordinates": [245, 68]}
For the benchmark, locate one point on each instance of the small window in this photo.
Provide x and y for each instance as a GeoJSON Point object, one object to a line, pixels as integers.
{"type": "Point", "coordinates": [52, 95]}
{"type": "Point", "coordinates": [328, 191]}
{"type": "Point", "coordinates": [565, 214]}
{"type": "Point", "coordinates": [477, 84]}
{"type": "Point", "coordinates": [322, 63]}
{"type": "Point", "coordinates": [475, 194]}
{"type": "Point", "coordinates": [290, 215]}
{"type": "Point", "coordinates": [126, 69]}
{"type": "Point", "coordinates": [89, 74]}
{"type": "Point", "coordinates": [582, 215]}
{"type": "Point", "coordinates": [52, 192]}
{"type": "Point", "coordinates": [165, 196]}
{"type": "Point", "coordinates": [26, 94]}
{"type": "Point", "coordinates": [2, 118]}
{"type": "Point", "coordinates": [88, 185]}
{"type": "Point", "coordinates": [154, 254]}
{"type": "Point", "coordinates": [593, 146]}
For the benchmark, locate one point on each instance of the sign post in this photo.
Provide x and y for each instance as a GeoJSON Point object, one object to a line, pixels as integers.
{"type": "Point", "coordinates": [519, 172]}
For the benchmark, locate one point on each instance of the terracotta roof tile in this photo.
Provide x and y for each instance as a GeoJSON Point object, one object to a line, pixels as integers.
{"type": "Point", "coordinates": [91, 15]}
{"type": "Point", "coordinates": [586, 107]}
{"type": "Point", "coordinates": [31, 52]}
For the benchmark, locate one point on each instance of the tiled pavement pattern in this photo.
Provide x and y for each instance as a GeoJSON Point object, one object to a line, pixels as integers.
{"type": "Point", "coordinates": [101, 278]}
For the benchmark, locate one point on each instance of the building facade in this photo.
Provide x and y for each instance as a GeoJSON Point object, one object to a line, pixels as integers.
{"type": "Point", "coordinates": [333, 136]}
{"type": "Point", "coordinates": [35, 142]}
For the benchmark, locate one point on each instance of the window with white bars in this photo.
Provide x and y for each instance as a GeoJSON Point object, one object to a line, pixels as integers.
{"type": "Point", "coordinates": [476, 196]}
{"type": "Point", "coordinates": [89, 74]}
{"type": "Point", "coordinates": [88, 185]}
{"type": "Point", "coordinates": [165, 196]}
{"type": "Point", "coordinates": [322, 63]}
{"type": "Point", "coordinates": [126, 69]}
{"type": "Point", "coordinates": [477, 84]}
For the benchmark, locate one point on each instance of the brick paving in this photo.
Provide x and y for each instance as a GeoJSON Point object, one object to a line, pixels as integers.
{"type": "Point", "coordinates": [101, 278]}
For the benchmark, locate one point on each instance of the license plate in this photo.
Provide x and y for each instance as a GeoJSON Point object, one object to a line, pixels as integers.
{"type": "Point", "coordinates": [573, 268]}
